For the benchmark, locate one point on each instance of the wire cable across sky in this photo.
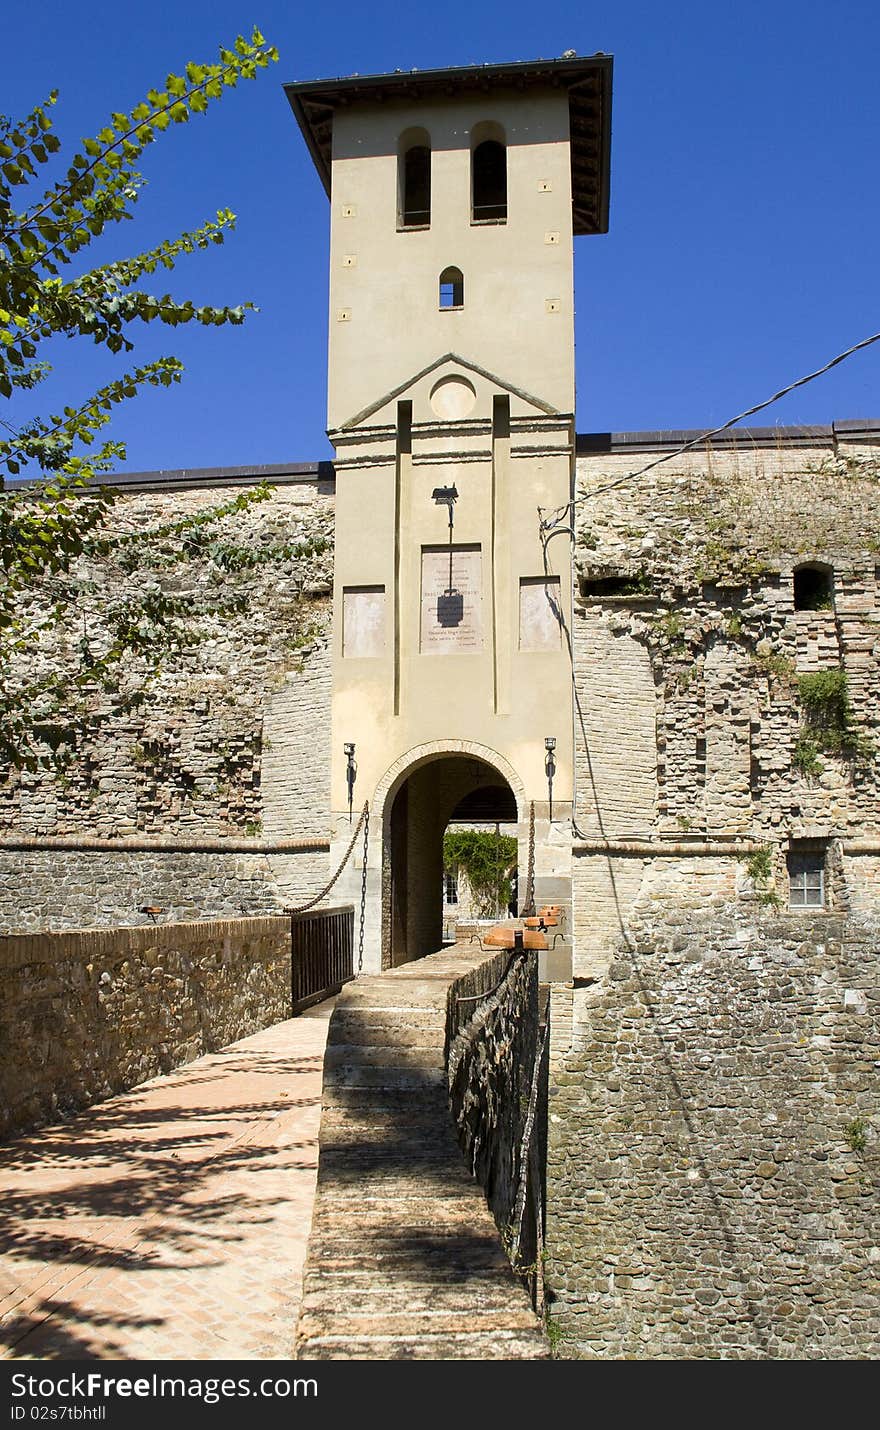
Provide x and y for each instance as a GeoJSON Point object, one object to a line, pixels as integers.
{"type": "Point", "coordinates": [548, 523]}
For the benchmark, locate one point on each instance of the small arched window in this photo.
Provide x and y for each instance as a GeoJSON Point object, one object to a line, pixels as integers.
{"type": "Point", "coordinates": [813, 588]}
{"type": "Point", "coordinates": [488, 174]}
{"type": "Point", "coordinates": [414, 179]}
{"type": "Point", "coordinates": [452, 288]}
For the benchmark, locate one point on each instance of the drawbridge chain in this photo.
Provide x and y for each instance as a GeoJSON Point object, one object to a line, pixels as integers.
{"type": "Point", "coordinates": [363, 823]}
{"type": "Point", "coordinates": [528, 907]}
{"type": "Point", "coordinates": [366, 821]}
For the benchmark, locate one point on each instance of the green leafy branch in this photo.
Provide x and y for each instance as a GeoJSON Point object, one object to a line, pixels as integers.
{"type": "Point", "coordinates": [47, 525]}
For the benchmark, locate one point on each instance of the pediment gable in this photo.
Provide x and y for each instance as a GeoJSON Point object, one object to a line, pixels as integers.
{"type": "Point", "coordinates": [421, 384]}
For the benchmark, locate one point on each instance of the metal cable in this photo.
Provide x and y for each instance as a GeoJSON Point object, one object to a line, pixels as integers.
{"type": "Point", "coordinates": [546, 523]}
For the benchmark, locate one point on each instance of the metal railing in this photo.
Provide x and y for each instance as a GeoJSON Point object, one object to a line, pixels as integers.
{"type": "Point", "coordinates": [322, 953]}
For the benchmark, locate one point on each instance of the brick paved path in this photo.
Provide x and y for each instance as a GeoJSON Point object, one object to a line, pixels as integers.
{"type": "Point", "coordinates": [170, 1222]}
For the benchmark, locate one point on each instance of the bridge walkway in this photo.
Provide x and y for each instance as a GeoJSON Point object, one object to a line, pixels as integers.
{"type": "Point", "coordinates": [169, 1222]}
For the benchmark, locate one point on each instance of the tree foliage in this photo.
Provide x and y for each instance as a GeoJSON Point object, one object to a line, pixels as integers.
{"type": "Point", "coordinates": [47, 525]}
{"type": "Point", "coordinates": [488, 862]}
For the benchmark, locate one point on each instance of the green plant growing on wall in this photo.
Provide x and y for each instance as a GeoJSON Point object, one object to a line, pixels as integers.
{"type": "Point", "coordinates": [759, 867]}
{"type": "Point", "coordinates": [487, 861]}
{"type": "Point", "coordinates": [554, 1333]}
{"type": "Point", "coordinates": [855, 1133]}
{"type": "Point", "coordinates": [775, 666]}
{"type": "Point", "coordinates": [670, 628]}
{"type": "Point", "coordinates": [828, 721]}
{"type": "Point", "coordinates": [727, 563]}
{"type": "Point", "coordinates": [734, 626]}
{"type": "Point", "coordinates": [805, 757]}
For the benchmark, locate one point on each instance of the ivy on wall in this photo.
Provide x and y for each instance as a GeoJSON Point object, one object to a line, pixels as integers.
{"type": "Point", "coordinates": [828, 725]}
{"type": "Point", "coordinates": [487, 861]}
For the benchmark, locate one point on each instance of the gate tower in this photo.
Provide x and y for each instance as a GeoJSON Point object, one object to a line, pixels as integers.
{"type": "Point", "coordinates": [455, 195]}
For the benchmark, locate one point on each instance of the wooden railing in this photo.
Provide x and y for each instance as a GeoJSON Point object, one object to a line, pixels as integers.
{"type": "Point", "coordinates": [322, 953]}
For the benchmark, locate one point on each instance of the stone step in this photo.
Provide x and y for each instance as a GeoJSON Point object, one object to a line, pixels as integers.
{"type": "Point", "coordinates": [342, 1055]}
{"type": "Point", "coordinates": [469, 1345]}
{"type": "Point", "coordinates": [410, 1322]}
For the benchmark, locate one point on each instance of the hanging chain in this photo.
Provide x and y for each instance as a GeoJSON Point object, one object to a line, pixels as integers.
{"type": "Point", "coordinates": [529, 905]}
{"type": "Point", "coordinates": [366, 819]}
{"type": "Point", "coordinates": [304, 908]}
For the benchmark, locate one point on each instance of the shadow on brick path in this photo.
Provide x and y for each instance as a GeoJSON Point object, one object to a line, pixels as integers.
{"type": "Point", "coordinates": [169, 1222]}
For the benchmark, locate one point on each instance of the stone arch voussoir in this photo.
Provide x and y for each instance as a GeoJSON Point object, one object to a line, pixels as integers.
{"type": "Point", "coordinates": [420, 755]}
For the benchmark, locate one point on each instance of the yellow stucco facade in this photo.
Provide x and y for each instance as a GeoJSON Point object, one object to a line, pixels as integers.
{"type": "Point", "coordinates": [445, 640]}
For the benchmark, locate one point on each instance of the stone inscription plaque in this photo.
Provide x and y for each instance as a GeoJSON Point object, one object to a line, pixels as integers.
{"type": "Point", "coordinates": [363, 621]}
{"type": "Point", "coordinates": [452, 608]}
{"type": "Point", "coordinates": [539, 627]}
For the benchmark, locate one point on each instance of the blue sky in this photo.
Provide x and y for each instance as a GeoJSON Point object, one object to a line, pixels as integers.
{"type": "Point", "coordinates": [745, 204]}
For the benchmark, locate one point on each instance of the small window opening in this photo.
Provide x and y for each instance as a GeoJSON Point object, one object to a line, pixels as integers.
{"type": "Point", "coordinates": [500, 416]}
{"type": "Point", "coordinates": [806, 876]}
{"type": "Point", "coordinates": [450, 889]}
{"type": "Point", "coordinates": [404, 427]}
{"type": "Point", "coordinates": [489, 180]}
{"type": "Point", "coordinates": [813, 588]}
{"type": "Point", "coordinates": [415, 204]}
{"type": "Point", "coordinates": [598, 587]}
{"type": "Point", "coordinates": [452, 288]}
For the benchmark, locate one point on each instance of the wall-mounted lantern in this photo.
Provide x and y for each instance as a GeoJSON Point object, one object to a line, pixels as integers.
{"type": "Point", "coordinates": [350, 775]}
{"type": "Point", "coordinates": [550, 767]}
{"type": "Point", "coordinates": [450, 603]}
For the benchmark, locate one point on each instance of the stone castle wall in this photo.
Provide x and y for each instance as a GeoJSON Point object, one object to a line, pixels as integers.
{"type": "Point", "coordinates": [713, 1166]}
{"type": "Point", "coordinates": [712, 1163]}
{"type": "Point", "coordinates": [229, 742]}
{"type": "Point", "coordinates": [710, 1035]}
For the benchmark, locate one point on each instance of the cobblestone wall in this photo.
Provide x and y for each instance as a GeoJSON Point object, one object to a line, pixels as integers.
{"type": "Point", "coordinates": [688, 645]}
{"type": "Point", "coordinates": [230, 740]}
{"type": "Point", "coordinates": [713, 1136]}
{"type": "Point", "coordinates": [89, 1014]}
{"type": "Point", "coordinates": [713, 1154]}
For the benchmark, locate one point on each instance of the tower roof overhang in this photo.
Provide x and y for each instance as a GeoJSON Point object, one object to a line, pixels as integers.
{"type": "Point", "coordinates": [586, 78]}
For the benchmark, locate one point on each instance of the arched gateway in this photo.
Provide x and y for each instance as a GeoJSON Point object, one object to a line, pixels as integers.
{"type": "Point", "coordinates": [415, 802]}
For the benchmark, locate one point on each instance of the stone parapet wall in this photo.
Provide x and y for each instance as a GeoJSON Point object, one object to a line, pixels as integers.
{"type": "Point", "coordinates": [713, 1139]}
{"type": "Point", "coordinates": [69, 888]}
{"type": "Point", "coordinates": [405, 1260]}
{"type": "Point", "coordinates": [87, 1014]}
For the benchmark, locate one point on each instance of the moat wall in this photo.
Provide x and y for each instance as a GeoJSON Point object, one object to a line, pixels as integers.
{"type": "Point", "coordinates": [712, 1167]}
